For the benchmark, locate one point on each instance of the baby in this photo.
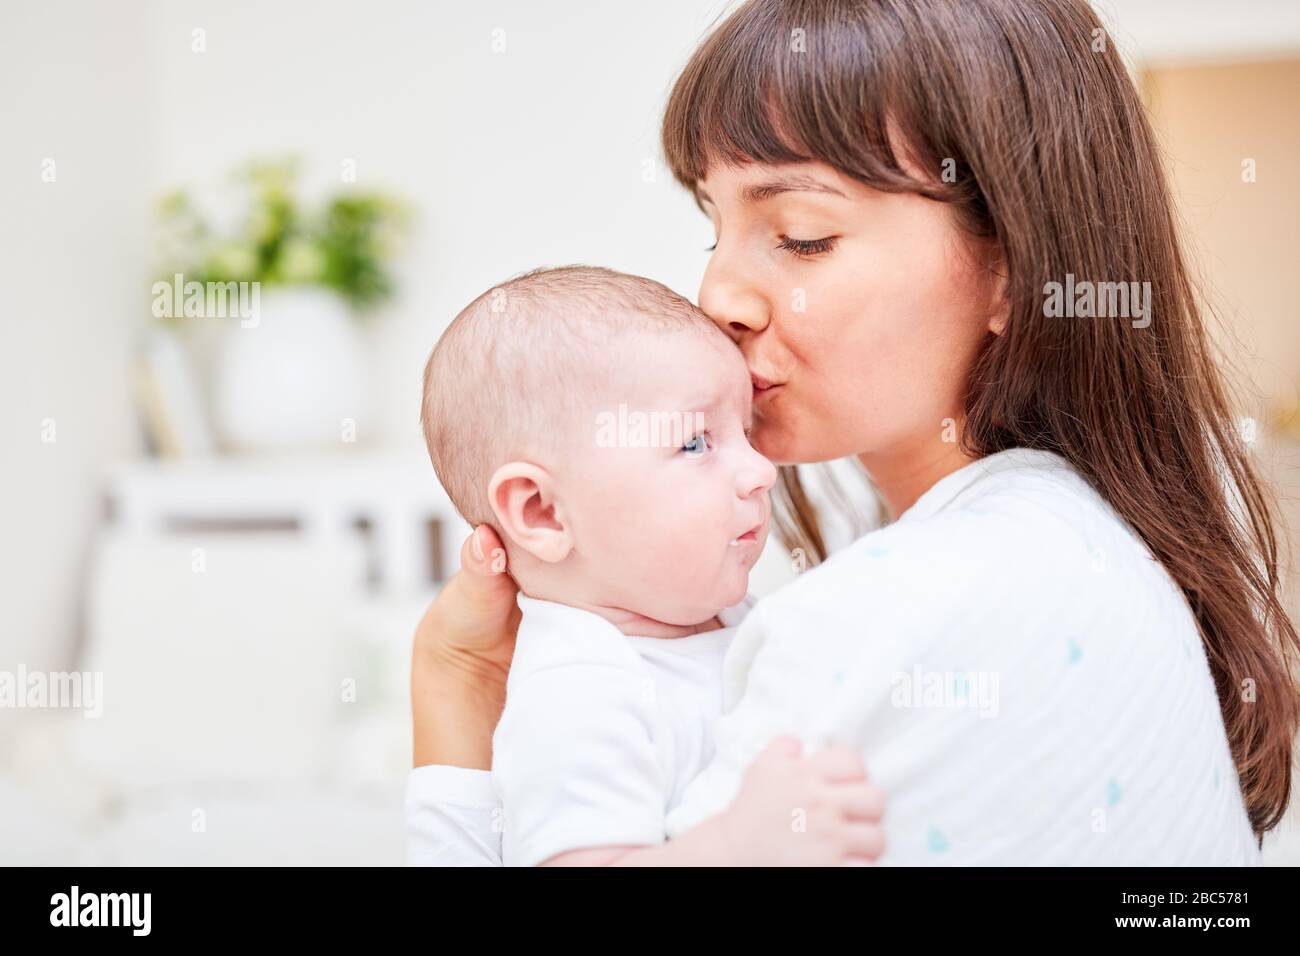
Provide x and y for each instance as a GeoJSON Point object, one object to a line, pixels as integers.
{"type": "Point", "coordinates": [598, 422]}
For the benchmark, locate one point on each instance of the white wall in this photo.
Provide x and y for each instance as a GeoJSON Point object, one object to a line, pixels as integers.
{"type": "Point", "coordinates": [71, 268]}
{"type": "Point", "coordinates": [515, 159]}
{"type": "Point", "coordinates": [1164, 32]}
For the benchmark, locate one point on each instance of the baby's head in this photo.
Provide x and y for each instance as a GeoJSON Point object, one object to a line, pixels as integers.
{"type": "Point", "coordinates": [598, 422]}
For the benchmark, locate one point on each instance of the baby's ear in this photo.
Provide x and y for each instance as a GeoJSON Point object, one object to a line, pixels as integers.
{"type": "Point", "coordinates": [523, 499]}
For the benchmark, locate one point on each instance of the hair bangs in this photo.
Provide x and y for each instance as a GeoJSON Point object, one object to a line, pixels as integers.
{"type": "Point", "coordinates": [758, 90]}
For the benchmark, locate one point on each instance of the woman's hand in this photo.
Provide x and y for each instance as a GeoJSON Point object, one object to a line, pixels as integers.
{"type": "Point", "coordinates": [462, 653]}
{"type": "Point", "coordinates": [794, 810]}
{"type": "Point", "coordinates": [791, 810]}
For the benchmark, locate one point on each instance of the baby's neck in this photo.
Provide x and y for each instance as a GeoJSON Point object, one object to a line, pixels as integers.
{"type": "Point", "coordinates": [542, 583]}
{"type": "Point", "coordinates": [634, 624]}
{"type": "Point", "coordinates": [638, 625]}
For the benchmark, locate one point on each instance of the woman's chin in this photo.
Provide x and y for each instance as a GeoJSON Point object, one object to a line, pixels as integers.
{"type": "Point", "coordinates": [782, 442]}
{"type": "Point", "coordinates": [772, 442]}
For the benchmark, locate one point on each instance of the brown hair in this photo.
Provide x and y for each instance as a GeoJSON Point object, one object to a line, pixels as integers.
{"type": "Point", "coordinates": [1051, 156]}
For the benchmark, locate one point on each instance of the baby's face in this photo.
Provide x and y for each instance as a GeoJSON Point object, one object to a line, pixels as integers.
{"type": "Point", "coordinates": [665, 498]}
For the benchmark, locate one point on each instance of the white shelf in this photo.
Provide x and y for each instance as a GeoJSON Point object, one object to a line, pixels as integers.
{"type": "Point", "coordinates": [324, 498]}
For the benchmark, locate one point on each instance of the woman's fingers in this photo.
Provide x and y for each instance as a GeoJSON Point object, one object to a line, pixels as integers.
{"type": "Point", "coordinates": [864, 840]}
{"type": "Point", "coordinates": [858, 803]}
{"type": "Point", "coordinates": [862, 801]}
{"type": "Point", "coordinates": [482, 553]}
{"type": "Point", "coordinates": [781, 748]}
{"type": "Point", "coordinates": [838, 764]}
{"type": "Point", "coordinates": [475, 612]}
{"type": "Point", "coordinates": [482, 584]}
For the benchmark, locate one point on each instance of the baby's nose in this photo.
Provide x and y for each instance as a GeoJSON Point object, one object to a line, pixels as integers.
{"type": "Point", "coordinates": [758, 475]}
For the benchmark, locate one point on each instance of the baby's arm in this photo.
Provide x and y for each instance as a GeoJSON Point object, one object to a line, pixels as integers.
{"type": "Point", "coordinates": [575, 761]}
{"type": "Point", "coordinates": [790, 811]}
{"type": "Point", "coordinates": [581, 781]}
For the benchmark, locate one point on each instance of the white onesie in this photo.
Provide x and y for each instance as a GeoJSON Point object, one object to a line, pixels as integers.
{"type": "Point", "coordinates": [601, 731]}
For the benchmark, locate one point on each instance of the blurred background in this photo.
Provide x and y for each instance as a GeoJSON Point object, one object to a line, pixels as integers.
{"type": "Point", "coordinates": [226, 513]}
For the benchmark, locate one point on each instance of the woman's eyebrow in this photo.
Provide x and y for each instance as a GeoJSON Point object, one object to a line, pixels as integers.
{"type": "Point", "coordinates": [757, 192]}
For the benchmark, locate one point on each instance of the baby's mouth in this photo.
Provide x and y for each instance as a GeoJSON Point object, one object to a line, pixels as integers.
{"type": "Point", "coordinates": [749, 537]}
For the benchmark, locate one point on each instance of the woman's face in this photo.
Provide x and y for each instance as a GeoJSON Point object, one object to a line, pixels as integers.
{"type": "Point", "coordinates": [858, 312]}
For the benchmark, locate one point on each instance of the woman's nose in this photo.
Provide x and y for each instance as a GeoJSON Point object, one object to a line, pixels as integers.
{"type": "Point", "coordinates": [733, 305]}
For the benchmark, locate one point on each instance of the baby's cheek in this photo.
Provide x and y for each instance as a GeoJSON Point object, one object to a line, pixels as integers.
{"type": "Point", "coordinates": [680, 544]}
{"type": "Point", "coordinates": [718, 576]}
{"type": "Point", "coordinates": [686, 560]}
{"type": "Point", "coordinates": [653, 548]}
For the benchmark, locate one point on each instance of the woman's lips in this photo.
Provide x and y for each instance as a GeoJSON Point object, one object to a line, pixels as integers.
{"type": "Point", "coordinates": [763, 386]}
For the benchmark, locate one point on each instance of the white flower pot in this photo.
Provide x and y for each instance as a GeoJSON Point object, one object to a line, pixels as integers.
{"type": "Point", "coordinates": [294, 380]}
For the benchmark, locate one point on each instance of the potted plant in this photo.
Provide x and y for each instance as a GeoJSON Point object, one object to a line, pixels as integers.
{"type": "Point", "coordinates": [289, 284]}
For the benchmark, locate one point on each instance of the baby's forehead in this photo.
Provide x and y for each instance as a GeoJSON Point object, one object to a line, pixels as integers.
{"type": "Point", "coordinates": [684, 370]}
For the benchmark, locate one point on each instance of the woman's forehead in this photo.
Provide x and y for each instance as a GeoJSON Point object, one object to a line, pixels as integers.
{"type": "Point", "coordinates": [754, 182]}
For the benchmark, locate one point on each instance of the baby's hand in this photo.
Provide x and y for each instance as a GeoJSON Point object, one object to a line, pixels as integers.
{"type": "Point", "coordinates": [794, 810]}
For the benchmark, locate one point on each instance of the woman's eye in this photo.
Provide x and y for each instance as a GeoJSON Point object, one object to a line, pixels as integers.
{"type": "Point", "coordinates": [710, 248]}
{"type": "Point", "coordinates": [807, 247]}
{"type": "Point", "coordinates": [697, 445]}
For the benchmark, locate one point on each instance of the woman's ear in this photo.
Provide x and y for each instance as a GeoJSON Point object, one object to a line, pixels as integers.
{"type": "Point", "coordinates": [523, 499]}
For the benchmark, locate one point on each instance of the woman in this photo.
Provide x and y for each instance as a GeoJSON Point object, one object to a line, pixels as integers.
{"type": "Point", "coordinates": [1069, 647]}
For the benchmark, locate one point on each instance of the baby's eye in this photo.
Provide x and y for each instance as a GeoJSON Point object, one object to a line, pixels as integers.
{"type": "Point", "coordinates": [698, 445]}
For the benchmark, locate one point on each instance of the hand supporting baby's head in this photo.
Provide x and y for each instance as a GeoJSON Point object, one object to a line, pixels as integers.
{"type": "Point", "coordinates": [597, 421]}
